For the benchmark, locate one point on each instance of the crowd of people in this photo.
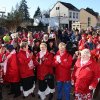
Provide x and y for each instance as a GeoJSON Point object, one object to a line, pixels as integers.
{"type": "Point", "coordinates": [67, 58]}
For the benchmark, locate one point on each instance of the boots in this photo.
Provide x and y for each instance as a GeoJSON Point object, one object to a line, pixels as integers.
{"type": "Point", "coordinates": [17, 95]}
{"type": "Point", "coordinates": [1, 96]}
{"type": "Point", "coordinates": [50, 96]}
{"type": "Point", "coordinates": [33, 95]}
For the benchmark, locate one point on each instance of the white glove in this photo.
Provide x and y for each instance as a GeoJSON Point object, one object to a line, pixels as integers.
{"type": "Point", "coordinates": [98, 79]}
{"type": "Point", "coordinates": [30, 64]}
{"type": "Point", "coordinates": [91, 88]}
{"type": "Point", "coordinates": [72, 82]}
{"type": "Point", "coordinates": [1, 64]}
{"type": "Point", "coordinates": [58, 59]}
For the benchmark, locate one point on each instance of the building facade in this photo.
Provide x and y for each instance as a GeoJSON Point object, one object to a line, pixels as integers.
{"type": "Point", "coordinates": [66, 13]}
{"type": "Point", "coordinates": [87, 19]}
{"type": "Point", "coordinates": [76, 25]}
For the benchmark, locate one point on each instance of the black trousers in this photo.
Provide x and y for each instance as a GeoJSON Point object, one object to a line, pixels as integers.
{"type": "Point", "coordinates": [96, 93]}
{"type": "Point", "coordinates": [0, 91]}
{"type": "Point", "coordinates": [44, 83]}
{"type": "Point", "coordinates": [15, 88]}
{"type": "Point", "coordinates": [27, 83]}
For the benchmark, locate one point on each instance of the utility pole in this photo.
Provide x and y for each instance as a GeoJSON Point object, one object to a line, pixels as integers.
{"type": "Point", "coordinates": [2, 11]}
{"type": "Point", "coordinates": [2, 17]}
{"type": "Point", "coordinates": [58, 9]}
{"type": "Point", "coordinates": [59, 18]}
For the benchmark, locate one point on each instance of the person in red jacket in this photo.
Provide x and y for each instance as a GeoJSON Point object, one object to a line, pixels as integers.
{"type": "Point", "coordinates": [85, 76]}
{"type": "Point", "coordinates": [81, 44]}
{"type": "Point", "coordinates": [11, 71]}
{"type": "Point", "coordinates": [26, 66]}
{"type": "Point", "coordinates": [96, 55]}
{"type": "Point", "coordinates": [62, 63]}
{"type": "Point", "coordinates": [2, 53]}
{"type": "Point", "coordinates": [45, 72]}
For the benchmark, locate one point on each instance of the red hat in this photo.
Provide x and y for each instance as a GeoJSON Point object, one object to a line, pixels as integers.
{"type": "Point", "coordinates": [95, 40]}
{"type": "Point", "coordinates": [0, 41]}
{"type": "Point", "coordinates": [89, 36]}
{"type": "Point", "coordinates": [84, 35]}
{"type": "Point", "coordinates": [24, 40]}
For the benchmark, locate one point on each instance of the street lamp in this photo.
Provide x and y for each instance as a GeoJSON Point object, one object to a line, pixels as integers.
{"type": "Point", "coordinates": [2, 17]}
{"type": "Point", "coordinates": [3, 10]}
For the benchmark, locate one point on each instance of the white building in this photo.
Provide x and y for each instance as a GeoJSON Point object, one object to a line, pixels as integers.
{"type": "Point", "coordinates": [51, 22]}
{"type": "Point", "coordinates": [76, 25]}
{"type": "Point", "coordinates": [66, 13]}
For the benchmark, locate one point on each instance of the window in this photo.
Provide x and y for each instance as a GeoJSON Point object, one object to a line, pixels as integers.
{"type": "Point", "coordinates": [73, 21]}
{"type": "Point", "coordinates": [57, 8]}
{"type": "Point", "coordinates": [70, 14]}
{"type": "Point", "coordinates": [77, 15]}
{"type": "Point", "coordinates": [73, 14]}
{"type": "Point", "coordinates": [89, 21]}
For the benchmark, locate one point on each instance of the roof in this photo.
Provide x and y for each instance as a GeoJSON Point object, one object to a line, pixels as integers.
{"type": "Point", "coordinates": [91, 11]}
{"type": "Point", "coordinates": [69, 6]}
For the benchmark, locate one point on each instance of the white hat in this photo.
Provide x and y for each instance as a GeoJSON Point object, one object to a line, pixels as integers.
{"type": "Point", "coordinates": [14, 35]}
{"type": "Point", "coordinates": [45, 37]}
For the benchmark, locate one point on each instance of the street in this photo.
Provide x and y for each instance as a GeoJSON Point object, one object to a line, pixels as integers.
{"type": "Point", "coordinates": [10, 97]}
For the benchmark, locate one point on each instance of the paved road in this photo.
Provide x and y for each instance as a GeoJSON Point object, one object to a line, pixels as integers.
{"type": "Point", "coordinates": [7, 97]}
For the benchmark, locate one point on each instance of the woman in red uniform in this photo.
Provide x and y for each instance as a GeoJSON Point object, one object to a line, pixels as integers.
{"type": "Point", "coordinates": [11, 71]}
{"type": "Point", "coordinates": [85, 76]}
{"type": "Point", "coordinates": [2, 53]}
{"type": "Point", "coordinates": [45, 72]}
{"type": "Point", "coordinates": [25, 64]}
{"type": "Point", "coordinates": [62, 63]}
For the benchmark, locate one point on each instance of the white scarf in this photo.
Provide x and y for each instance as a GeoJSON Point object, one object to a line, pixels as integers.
{"type": "Point", "coordinates": [83, 62]}
{"type": "Point", "coordinates": [42, 53]}
{"type": "Point", "coordinates": [27, 54]}
{"type": "Point", "coordinates": [5, 62]}
{"type": "Point", "coordinates": [30, 64]}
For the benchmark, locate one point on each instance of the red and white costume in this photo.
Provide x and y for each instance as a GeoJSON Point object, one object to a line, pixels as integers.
{"type": "Point", "coordinates": [44, 69]}
{"type": "Point", "coordinates": [85, 78]}
{"type": "Point", "coordinates": [25, 70]}
{"type": "Point", "coordinates": [11, 69]}
{"type": "Point", "coordinates": [63, 69]}
{"type": "Point", "coordinates": [26, 65]}
{"type": "Point", "coordinates": [45, 65]}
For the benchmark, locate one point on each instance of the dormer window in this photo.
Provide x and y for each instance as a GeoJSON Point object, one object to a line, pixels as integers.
{"type": "Point", "coordinates": [57, 8]}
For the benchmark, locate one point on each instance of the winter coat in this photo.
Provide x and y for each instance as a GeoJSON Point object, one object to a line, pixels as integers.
{"type": "Point", "coordinates": [23, 63]}
{"type": "Point", "coordinates": [63, 69]}
{"type": "Point", "coordinates": [85, 76]}
{"type": "Point", "coordinates": [12, 70]}
{"type": "Point", "coordinates": [45, 67]}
